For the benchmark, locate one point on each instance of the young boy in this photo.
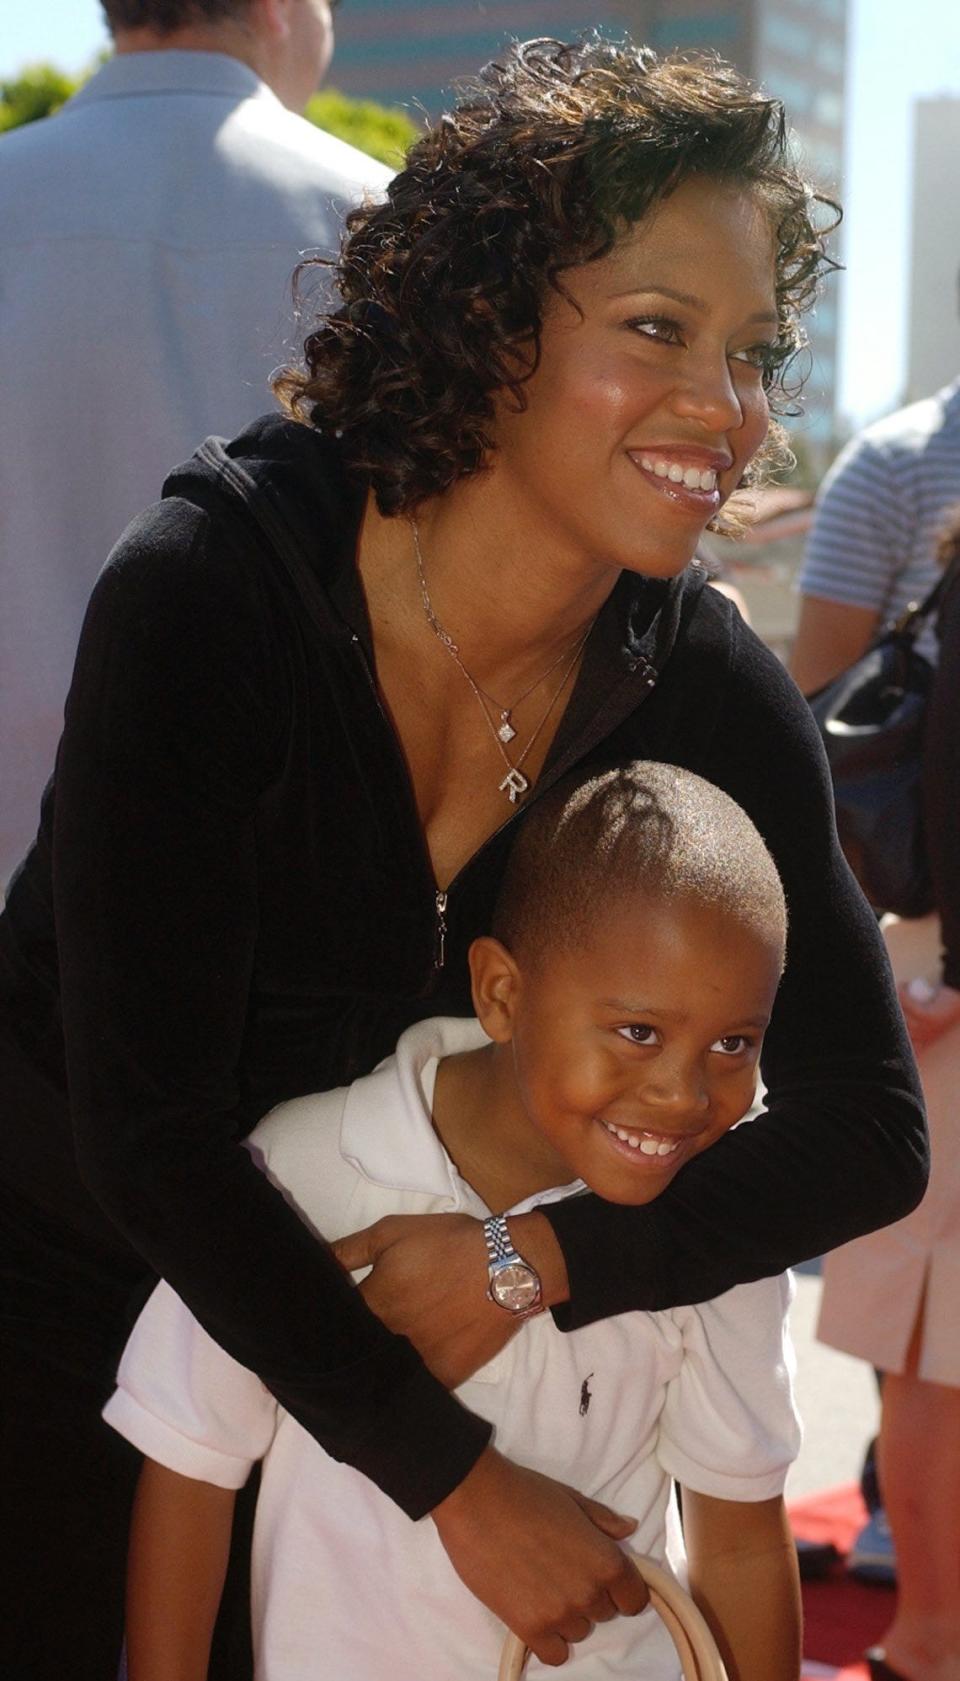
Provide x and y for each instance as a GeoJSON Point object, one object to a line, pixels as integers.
{"type": "Point", "coordinates": [621, 1004]}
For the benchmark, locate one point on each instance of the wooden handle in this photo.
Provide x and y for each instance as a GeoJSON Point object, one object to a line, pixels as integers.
{"type": "Point", "coordinates": [696, 1647]}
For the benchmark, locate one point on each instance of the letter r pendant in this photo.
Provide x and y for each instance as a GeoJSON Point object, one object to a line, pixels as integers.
{"type": "Point", "coordinates": [513, 785]}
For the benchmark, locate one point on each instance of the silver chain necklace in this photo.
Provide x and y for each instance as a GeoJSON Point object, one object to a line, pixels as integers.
{"type": "Point", "coordinates": [504, 729]}
{"type": "Point", "coordinates": [514, 783]}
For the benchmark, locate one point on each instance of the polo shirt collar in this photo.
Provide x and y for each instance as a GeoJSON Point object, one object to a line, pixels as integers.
{"type": "Point", "coordinates": [172, 70]}
{"type": "Point", "coordinates": [386, 1131]}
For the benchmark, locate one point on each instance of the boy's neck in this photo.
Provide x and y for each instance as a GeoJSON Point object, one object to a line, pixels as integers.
{"type": "Point", "coordinates": [486, 1132]}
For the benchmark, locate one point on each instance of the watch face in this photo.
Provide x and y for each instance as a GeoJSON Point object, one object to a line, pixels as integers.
{"type": "Point", "coordinates": [515, 1287]}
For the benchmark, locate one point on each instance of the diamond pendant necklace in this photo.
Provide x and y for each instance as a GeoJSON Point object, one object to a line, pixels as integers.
{"type": "Point", "coordinates": [505, 729]}
{"type": "Point", "coordinates": [514, 783]}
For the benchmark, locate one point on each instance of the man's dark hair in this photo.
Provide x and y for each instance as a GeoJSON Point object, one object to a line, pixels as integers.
{"type": "Point", "coordinates": [540, 166]}
{"type": "Point", "coordinates": [638, 830]}
{"type": "Point", "coordinates": [167, 15]}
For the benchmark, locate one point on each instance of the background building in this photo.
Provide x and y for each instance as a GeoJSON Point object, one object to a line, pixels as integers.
{"type": "Point", "coordinates": [411, 50]}
{"type": "Point", "coordinates": [406, 51]}
{"type": "Point", "coordinates": [934, 342]}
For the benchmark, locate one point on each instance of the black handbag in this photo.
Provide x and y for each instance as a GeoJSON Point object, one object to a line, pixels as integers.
{"type": "Point", "coordinates": [871, 720]}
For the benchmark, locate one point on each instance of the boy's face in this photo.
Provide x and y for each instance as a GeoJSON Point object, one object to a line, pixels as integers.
{"type": "Point", "coordinates": [639, 1049]}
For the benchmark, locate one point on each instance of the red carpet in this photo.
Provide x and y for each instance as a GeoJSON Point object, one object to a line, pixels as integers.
{"type": "Point", "coordinates": [841, 1617]}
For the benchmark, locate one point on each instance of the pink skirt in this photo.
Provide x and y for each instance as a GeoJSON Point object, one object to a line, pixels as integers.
{"type": "Point", "coordinates": [874, 1286]}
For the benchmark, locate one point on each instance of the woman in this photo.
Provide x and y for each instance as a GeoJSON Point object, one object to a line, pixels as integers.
{"type": "Point", "coordinates": [892, 1298]}
{"type": "Point", "coordinates": [315, 689]}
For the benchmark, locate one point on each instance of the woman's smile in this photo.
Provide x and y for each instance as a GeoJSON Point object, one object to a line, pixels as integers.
{"type": "Point", "coordinates": [687, 478]}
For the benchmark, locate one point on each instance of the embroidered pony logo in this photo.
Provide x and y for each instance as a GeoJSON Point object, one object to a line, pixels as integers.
{"type": "Point", "coordinates": [585, 1395]}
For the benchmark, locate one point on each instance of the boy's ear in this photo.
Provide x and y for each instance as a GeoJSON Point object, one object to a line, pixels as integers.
{"type": "Point", "coordinates": [495, 985]}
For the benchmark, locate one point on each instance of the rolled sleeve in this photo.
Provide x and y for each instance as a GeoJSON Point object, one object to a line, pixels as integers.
{"type": "Point", "coordinates": [729, 1426]}
{"type": "Point", "coordinates": [186, 1403]}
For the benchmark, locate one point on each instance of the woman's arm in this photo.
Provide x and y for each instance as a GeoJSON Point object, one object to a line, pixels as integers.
{"type": "Point", "coordinates": [428, 1282]}
{"type": "Point", "coordinates": [841, 1148]}
{"type": "Point", "coordinates": [179, 1546]}
{"type": "Point", "coordinates": [744, 1577]}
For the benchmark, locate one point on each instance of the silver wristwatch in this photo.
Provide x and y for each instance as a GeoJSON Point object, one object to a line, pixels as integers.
{"type": "Point", "coordinates": [514, 1284]}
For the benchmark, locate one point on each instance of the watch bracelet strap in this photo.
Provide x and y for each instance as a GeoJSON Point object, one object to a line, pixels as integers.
{"type": "Point", "coordinates": [497, 1239]}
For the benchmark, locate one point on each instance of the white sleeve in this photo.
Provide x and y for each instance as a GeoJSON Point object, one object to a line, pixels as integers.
{"type": "Point", "coordinates": [185, 1403]}
{"type": "Point", "coordinates": [729, 1425]}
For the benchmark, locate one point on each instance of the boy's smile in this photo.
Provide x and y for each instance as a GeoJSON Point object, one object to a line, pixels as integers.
{"type": "Point", "coordinates": [616, 1061]}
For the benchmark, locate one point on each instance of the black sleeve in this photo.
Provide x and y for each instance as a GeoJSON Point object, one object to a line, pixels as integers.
{"type": "Point", "coordinates": [941, 785]}
{"type": "Point", "coordinates": [173, 729]}
{"type": "Point", "coordinates": [841, 1148]}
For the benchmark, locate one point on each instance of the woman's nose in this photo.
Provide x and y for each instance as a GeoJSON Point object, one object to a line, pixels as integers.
{"type": "Point", "coordinates": [708, 393]}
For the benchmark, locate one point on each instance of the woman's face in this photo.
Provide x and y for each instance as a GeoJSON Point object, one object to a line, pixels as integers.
{"type": "Point", "coordinates": [645, 409]}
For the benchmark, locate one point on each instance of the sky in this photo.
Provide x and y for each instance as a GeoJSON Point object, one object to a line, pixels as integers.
{"type": "Point", "coordinates": [899, 50]}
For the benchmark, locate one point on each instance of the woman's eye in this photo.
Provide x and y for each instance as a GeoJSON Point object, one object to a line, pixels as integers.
{"type": "Point", "coordinates": [764, 356]}
{"type": "Point", "coordinates": [638, 1033]}
{"type": "Point", "coordinates": [658, 327]}
{"type": "Point", "coordinates": [732, 1044]}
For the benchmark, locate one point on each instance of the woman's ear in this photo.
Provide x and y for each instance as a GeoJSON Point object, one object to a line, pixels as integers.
{"type": "Point", "coordinates": [495, 984]}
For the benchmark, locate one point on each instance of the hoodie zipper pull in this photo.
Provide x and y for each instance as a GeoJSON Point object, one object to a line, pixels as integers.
{"type": "Point", "coordinates": [440, 949]}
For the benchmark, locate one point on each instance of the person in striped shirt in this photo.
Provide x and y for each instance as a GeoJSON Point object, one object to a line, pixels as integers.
{"type": "Point", "coordinates": [881, 512]}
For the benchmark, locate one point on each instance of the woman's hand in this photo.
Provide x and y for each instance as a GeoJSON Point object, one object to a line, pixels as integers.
{"type": "Point", "coordinates": [929, 1010]}
{"type": "Point", "coordinates": [543, 1557]}
{"type": "Point", "coordinates": [429, 1283]}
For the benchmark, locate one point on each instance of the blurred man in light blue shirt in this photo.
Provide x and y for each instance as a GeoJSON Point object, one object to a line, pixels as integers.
{"type": "Point", "coordinates": [149, 234]}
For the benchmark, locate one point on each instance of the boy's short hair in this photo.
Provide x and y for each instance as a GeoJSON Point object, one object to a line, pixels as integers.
{"type": "Point", "coordinates": [640, 828]}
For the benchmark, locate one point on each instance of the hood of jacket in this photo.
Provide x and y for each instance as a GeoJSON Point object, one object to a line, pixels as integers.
{"type": "Point", "coordinates": [287, 484]}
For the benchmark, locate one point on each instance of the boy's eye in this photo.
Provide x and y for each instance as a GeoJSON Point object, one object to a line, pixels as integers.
{"type": "Point", "coordinates": [638, 1033]}
{"type": "Point", "coordinates": [732, 1044]}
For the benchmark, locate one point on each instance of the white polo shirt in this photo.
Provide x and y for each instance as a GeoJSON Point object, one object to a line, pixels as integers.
{"type": "Point", "coordinates": [344, 1584]}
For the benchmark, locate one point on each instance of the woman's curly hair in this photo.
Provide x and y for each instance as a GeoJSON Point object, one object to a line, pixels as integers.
{"type": "Point", "coordinates": [542, 163]}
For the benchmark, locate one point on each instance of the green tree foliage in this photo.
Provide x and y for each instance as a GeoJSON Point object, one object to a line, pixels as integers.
{"type": "Point", "coordinates": [381, 131]}
{"type": "Point", "coordinates": [36, 92]}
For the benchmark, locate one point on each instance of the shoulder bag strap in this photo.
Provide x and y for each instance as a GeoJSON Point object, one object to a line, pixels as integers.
{"type": "Point", "coordinates": [914, 617]}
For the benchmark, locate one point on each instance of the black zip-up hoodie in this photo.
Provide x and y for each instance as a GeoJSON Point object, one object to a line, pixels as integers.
{"type": "Point", "coordinates": [231, 903]}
